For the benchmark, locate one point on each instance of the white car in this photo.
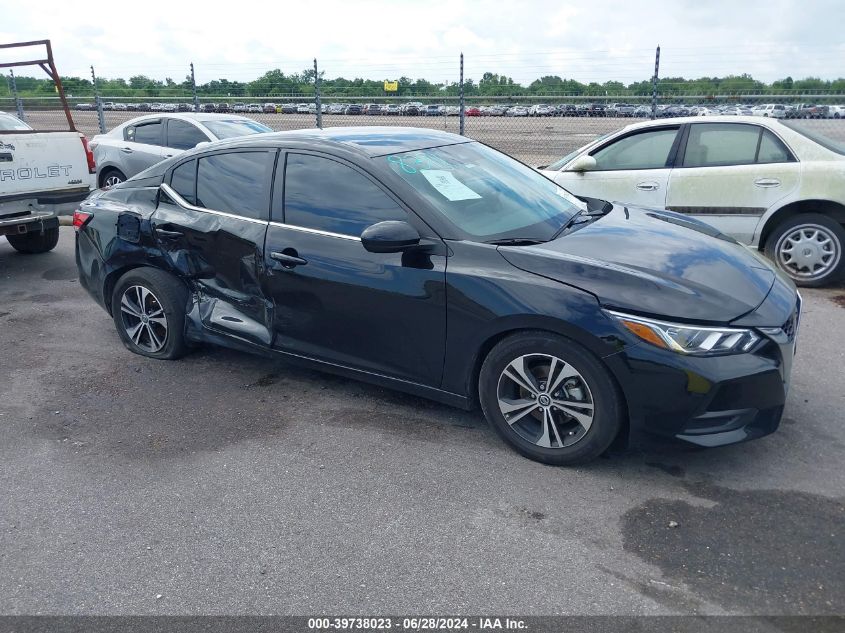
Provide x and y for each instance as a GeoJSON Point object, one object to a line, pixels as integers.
{"type": "Point", "coordinates": [836, 112]}
{"type": "Point", "coordinates": [705, 111]}
{"type": "Point", "coordinates": [775, 185]}
{"type": "Point", "coordinates": [144, 141]}
{"type": "Point", "coordinates": [540, 109]}
{"type": "Point", "coordinates": [774, 110]}
{"type": "Point", "coordinates": [517, 111]}
{"type": "Point", "coordinates": [42, 174]}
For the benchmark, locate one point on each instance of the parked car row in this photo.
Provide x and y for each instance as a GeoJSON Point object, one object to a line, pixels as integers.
{"type": "Point", "coordinates": [615, 110]}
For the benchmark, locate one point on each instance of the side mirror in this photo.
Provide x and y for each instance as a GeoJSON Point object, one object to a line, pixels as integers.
{"type": "Point", "coordinates": [202, 144]}
{"type": "Point", "coordinates": [583, 163]}
{"type": "Point", "coordinates": [391, 236]}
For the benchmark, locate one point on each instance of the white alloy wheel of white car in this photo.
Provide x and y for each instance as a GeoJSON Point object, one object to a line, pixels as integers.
{"type": "Point", "coordinates": [775, 185]}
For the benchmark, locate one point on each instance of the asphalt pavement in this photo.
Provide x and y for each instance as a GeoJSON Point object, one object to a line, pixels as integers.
{"type": "Point", "coordinates": [225, 483]}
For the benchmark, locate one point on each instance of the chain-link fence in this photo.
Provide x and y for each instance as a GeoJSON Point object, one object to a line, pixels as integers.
{"type": "Point", "coordinates": [537, 129]}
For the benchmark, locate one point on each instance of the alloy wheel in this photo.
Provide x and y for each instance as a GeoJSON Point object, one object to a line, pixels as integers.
{"type": "Point", "coordinates": [112, 180]}
{"type": "Point", "coordinates": [808, 252]}
{"type": "Point", "coordinates": [143, 318]}
{"type": "Point", "coordinates": [545, 400]}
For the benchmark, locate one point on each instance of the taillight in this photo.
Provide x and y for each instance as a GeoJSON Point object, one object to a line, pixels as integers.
{"type": "Point", "coordinates": [80, 219]}
{"type": "Point", "coordinates": [89, 155]}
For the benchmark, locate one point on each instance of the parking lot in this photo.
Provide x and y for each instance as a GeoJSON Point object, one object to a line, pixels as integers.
{"type": "Point", "coordinates": [533, 140]}
{"type": "Point", "coordinates": [226, 483]}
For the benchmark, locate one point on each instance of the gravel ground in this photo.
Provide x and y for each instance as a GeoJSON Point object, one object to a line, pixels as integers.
{"type": "Point", "coordinates": [226, 483]}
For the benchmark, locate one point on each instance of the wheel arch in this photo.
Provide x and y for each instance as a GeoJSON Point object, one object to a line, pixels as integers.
{"type": "Point", "coordinates": [111, 279]}
{"type": "Point", "coordinates": [113, 276]}
{"type": "Point", "coordinates": [104, 171]}
{"type": "Point", "coordinates": [569, 332]}
{"type": "Point", "coordinates": [835, 210]}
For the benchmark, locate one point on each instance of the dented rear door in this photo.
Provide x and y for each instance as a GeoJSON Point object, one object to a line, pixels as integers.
{"type": "Point", "coordinates": [211, 221]}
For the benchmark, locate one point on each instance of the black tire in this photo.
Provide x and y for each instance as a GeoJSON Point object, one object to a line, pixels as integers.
{"type": "Point", "coordinates": [608, 406]}
{"type": "Point", "coordinates": [169, 295]}
{"type": "Point", "coordinates": [828, 226]}
{"type": "Point", "coordinates": [115, 175]}
{"type": "Point", "coordinates": [35, 241]}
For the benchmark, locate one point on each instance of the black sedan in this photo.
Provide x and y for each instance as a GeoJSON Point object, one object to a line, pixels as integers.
{"type": "Point", "coordinates": [430, 263]}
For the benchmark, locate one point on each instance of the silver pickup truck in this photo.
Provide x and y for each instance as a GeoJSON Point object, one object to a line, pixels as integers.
{"type": "Point", "coordinates": [42, 175]}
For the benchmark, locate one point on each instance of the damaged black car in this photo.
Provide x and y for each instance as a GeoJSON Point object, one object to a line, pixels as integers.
{"type": "Point", "coordinates": [429, 263]}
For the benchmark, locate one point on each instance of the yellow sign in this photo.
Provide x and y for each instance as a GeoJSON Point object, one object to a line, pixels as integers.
{"type": "Point", "coordinates": [391, 86]}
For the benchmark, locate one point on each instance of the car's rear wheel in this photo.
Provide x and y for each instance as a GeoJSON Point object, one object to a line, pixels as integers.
{"type": "Point", "coordinates": [148, 309]}
{"type": "Point", "coordinates": [111, 178]}
{"type": "Point", "coordinates": [550, 398]}
{"type": "Point", "coordinates": [808, 247]}
{"type": "Point", "coordinates": [35, 241]}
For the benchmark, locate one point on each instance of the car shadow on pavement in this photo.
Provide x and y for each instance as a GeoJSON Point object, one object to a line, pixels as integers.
{"type": "Point", "coordinates": [147, 409]}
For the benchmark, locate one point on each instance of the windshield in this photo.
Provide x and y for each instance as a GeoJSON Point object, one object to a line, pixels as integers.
{"type": "Point", "coordinates": [485, 193]}
{"type": "Point", "coordinates": [235, 127]}
{"type": "Point", "coordinates": [12, 123]}
{"type": "Point", "coordinates": [802, 127]}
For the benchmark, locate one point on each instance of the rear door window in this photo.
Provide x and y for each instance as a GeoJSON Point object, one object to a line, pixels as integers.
{"type": "Point", "coordinates": [183, 135]}
{"type": "Point", "coordinates": [724, 144]}
{"type": "Point", "coordinates": [772, 149]}
{"type": "Point", "coordinates": [183, 181]}
{"type": "Point", "coordinates": [148, 133]}
{"type": "Point", "coordinates": [235, 182]}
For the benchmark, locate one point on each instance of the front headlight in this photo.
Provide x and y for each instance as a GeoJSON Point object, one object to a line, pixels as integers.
{"type": "Point", "coordinates": [688, 339]}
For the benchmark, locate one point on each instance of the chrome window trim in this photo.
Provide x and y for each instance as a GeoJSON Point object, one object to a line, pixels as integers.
{"type": "Point", "coordinates": [305, 229]}
{"type": "Point", "coordinates": [179, 200]}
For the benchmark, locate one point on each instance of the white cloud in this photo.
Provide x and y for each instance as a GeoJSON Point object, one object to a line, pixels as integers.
{"type": "Point", "coordinates": [586, 41]}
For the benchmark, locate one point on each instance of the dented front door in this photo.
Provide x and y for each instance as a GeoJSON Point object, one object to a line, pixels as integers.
{"type": "Point", "coordinates": [220, 251]}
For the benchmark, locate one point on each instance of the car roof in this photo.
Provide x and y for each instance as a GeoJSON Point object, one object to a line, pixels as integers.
{"type": "Point", "coordinates": [764, 121]}
{"type": "Point", "coordinates": [369, 141]}
{"type": "Point", "coordinates": [191, 116]}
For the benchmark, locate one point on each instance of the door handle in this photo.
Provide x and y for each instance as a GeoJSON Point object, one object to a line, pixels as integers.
{"type": "Point", "coordinates": [767, 182]}
{"type": "Point", "coordinates": [648, 186]}
{"type": "Point", "coordinates": [126, 150]}
{"type": "Point", "coordinates": [168, 234]}
{"type": "Point", "coordinates": [288, 260]}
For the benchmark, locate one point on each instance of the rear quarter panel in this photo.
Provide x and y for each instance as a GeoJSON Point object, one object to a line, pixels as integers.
{"type": "Point", "coordinates": [117, 239]}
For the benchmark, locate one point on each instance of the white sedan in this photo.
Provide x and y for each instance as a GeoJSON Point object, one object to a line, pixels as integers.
{"type": "Point", "coordinates": [775, 185]}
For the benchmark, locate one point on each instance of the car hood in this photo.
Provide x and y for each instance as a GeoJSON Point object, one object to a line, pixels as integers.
{"type": "Point", "coordinates": [653, 262]}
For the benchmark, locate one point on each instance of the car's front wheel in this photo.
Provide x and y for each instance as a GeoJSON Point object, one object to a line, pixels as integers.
{"type": "Point", "coordinates": [550, 398]}
{"type": "Point", "coordinates": [148, 309]}
{"type": "Point", "coordinates": [808, 247]}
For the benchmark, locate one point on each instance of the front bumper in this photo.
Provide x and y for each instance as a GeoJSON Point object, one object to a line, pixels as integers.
{"type": "Point", "coordinates": [709, 401]}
